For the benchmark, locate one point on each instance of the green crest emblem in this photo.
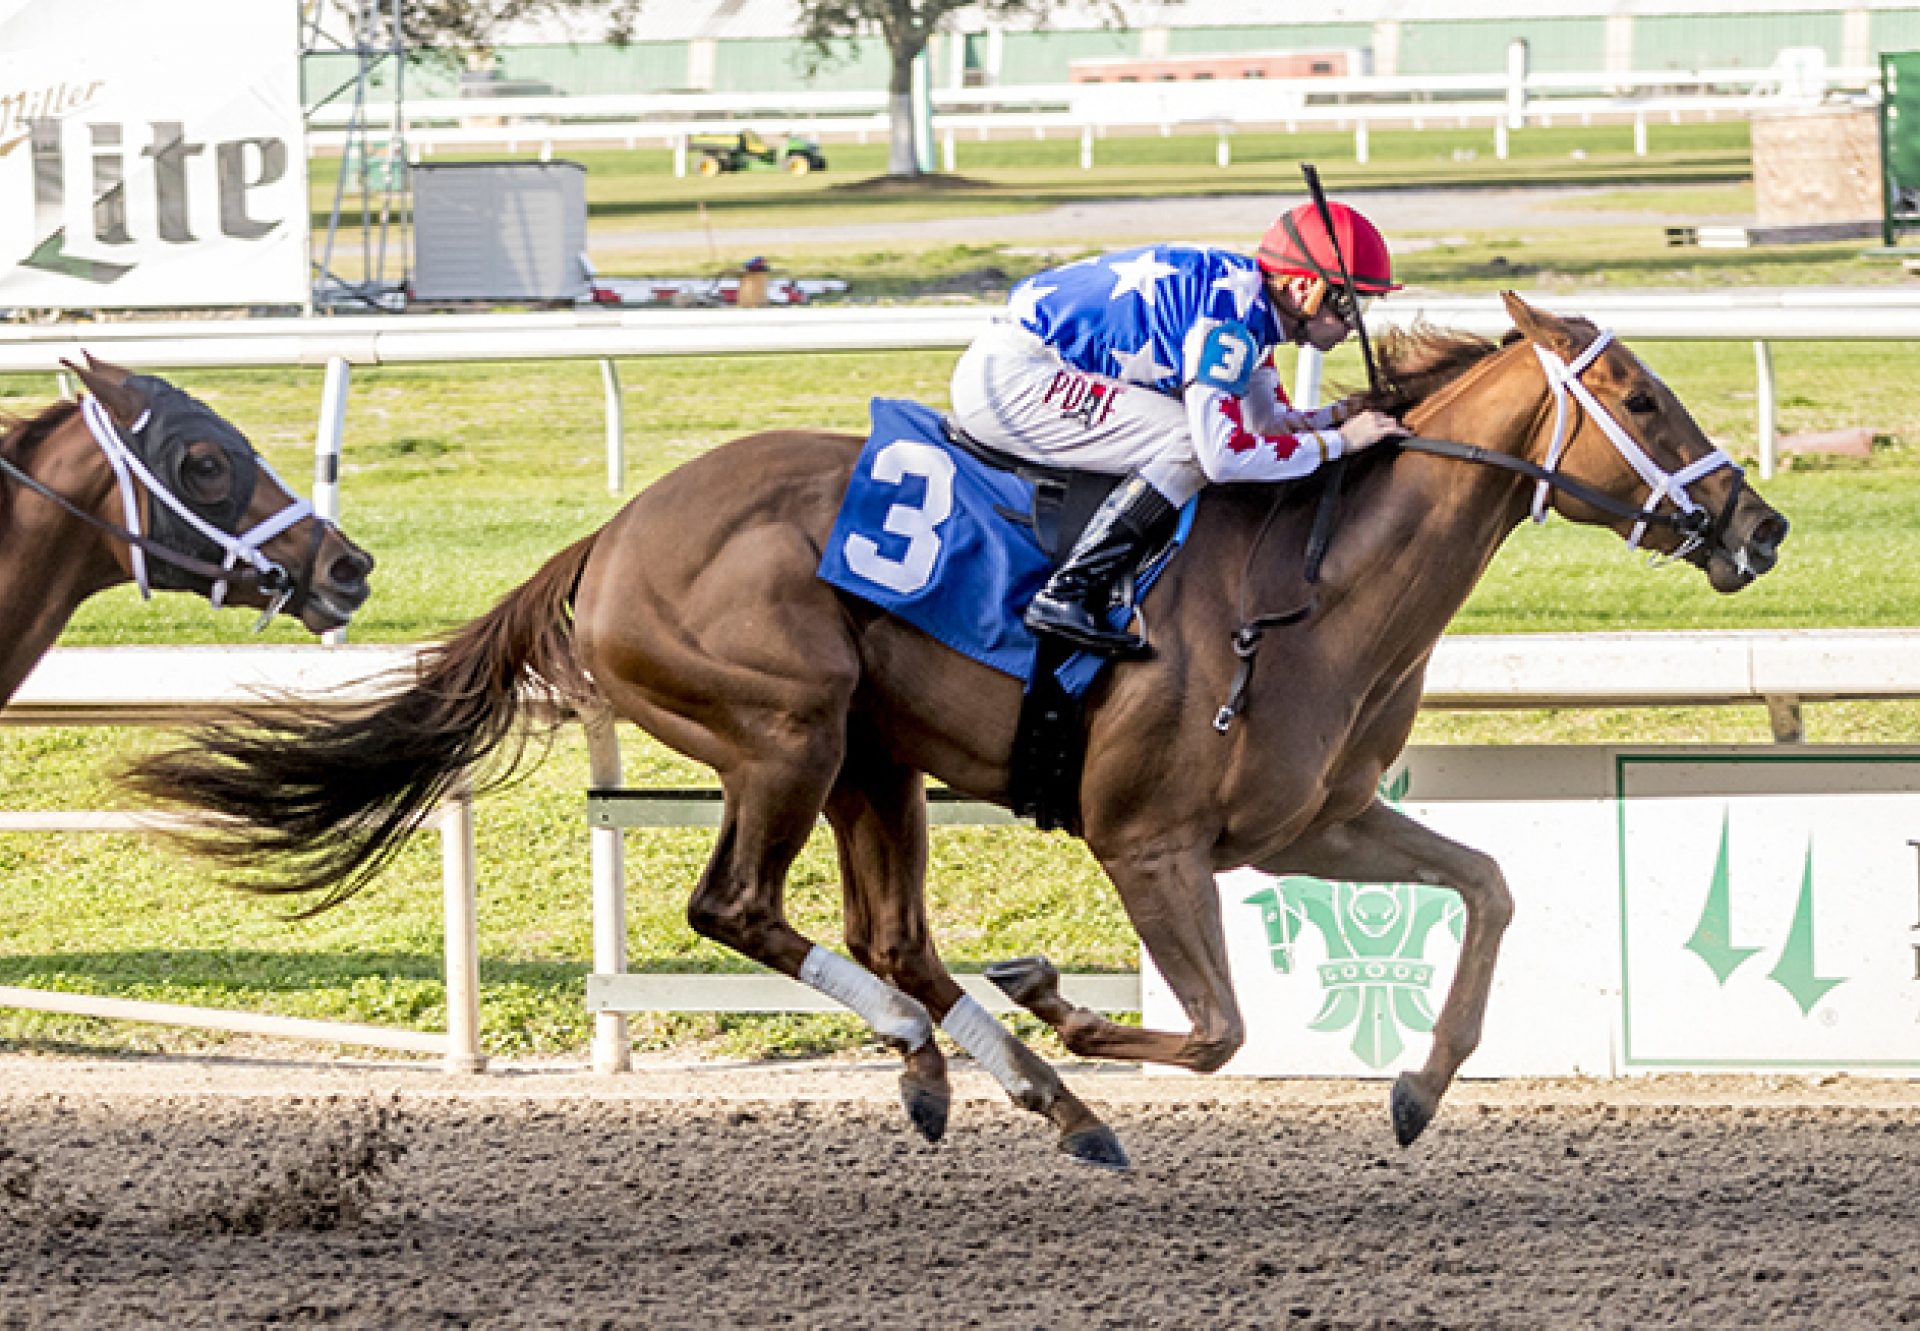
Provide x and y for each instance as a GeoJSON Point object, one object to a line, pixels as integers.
{"type": "Point", "coordinates": [1376, 978]}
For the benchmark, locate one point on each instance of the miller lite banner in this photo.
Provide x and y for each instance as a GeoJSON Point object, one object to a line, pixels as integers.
{"type": "Point", "coordinates": [151, 154]}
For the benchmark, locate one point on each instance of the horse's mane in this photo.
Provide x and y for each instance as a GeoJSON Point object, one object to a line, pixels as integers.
{"type": "Point", "coordinates": [1417, 362]}
{"type": "Point", "coordinates": [19, 436]}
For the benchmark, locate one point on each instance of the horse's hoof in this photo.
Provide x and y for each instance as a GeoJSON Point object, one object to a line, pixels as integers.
{"type": "Point", "coordinates": [1412, 1109]}
{"type": "Point", "coordinates": [926, 1107]}
{"type": "Point", "coordinates": [1024, 979]}
{"type": "Point", "coordinates": [1096, 1146]}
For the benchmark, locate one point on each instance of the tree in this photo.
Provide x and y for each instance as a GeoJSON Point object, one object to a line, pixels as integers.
{"type": "Point", "coordinates": [454, 26]}
{"type": "Point", "coordinates": [906, 26]}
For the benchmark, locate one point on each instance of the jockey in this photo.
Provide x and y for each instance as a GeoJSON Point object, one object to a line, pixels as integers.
{"type": "Point", "coordinates": [1157, 363]}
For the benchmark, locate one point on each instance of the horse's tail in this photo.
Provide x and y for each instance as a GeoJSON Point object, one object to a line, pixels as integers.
{"type": "Point", "coordinates": [317, 802]}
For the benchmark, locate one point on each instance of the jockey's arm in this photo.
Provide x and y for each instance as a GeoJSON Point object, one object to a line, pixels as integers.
{"type": "Point", "coordinates": [1241, 429]}
{"type": "Point", "coordinates": [1229, 448]}
{"type": "Point", "coordinates": [1269, 412]}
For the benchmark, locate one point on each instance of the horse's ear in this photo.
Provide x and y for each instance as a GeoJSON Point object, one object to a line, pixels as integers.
{"type": "Point", "coordinates": [1539, 327]}
{"type": "Point", "coordinates": [124, 401]}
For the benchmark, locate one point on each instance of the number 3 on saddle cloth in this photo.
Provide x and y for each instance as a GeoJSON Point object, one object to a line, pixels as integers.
{"type": "Point", "coordinates": [947, 541]}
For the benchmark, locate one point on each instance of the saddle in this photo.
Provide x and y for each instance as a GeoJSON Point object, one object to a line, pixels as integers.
{"type": "Point", "coordinates": [1049, 742]}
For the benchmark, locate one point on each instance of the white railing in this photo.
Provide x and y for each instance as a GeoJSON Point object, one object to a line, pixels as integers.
{"type": "Point", "coordinates": [1501, 101]}
{"type": "Point", "coordinates": [173, 686]}
{"type": "Point", "coordinates": [1761, 318]}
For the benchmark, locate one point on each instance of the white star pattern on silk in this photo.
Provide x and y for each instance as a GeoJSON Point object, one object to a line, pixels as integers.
{"type": "Point", "coordinates": [1024, 303]}
{"type": "Point", "coordinates": [1142, 274]}
{"type": "Point", "coordinates": [1243, 284]}
{"type": "Point", "coordinates": [1139, 367]}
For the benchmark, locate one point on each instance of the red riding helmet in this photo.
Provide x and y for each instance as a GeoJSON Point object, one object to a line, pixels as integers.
{"type": "Point", "coordinates": [1297, 243]}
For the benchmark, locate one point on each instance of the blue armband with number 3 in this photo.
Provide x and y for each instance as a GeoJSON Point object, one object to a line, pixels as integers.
{"type": "Point", "coordinates": [1227, 359]}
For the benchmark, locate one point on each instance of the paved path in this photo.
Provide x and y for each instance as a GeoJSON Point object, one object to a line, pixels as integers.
{"type": "Point", "coordinates": [1239, 217]}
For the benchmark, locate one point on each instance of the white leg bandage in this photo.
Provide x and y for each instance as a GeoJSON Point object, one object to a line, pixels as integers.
{"type": "Point", "coordinates": [994, 1047]}
{"type": "Point", "coordinates": [894, 1015]}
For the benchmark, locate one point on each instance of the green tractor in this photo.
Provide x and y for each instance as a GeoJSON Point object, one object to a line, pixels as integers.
{"type": "Point", "coordinates": [737, 152]}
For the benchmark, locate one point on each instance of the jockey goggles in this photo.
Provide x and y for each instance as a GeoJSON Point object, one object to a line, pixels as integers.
{"type": "Point", "coordinates": [1347, 305]}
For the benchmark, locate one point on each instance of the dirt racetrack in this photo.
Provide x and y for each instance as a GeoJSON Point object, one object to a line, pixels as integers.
{"type": "Point", "coordinates": [224, 1193]}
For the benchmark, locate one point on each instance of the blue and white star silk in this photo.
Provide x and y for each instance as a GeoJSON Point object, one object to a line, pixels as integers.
{"type": "Point", "coordinates": [1141, 314]}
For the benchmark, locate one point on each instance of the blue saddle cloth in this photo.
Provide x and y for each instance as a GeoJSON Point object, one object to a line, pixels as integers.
{"type": "Point", "coordinates": [919, 536]}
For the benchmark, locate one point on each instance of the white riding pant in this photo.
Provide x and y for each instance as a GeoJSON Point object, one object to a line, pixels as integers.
{"type": "Point", "coordinates": [1011, 391]}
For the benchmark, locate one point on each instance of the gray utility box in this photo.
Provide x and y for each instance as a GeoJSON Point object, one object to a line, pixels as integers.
{"type": "Point", "coordinates": [500, 231]}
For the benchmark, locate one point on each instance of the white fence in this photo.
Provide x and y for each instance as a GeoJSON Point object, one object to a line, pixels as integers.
{"type": "Point", "coordinates": [607, 336]}
{"type": "Point", "coordinates": [173, 686]}
{"type": "Point", "coordinates": [168, 686]}
{"type": "Point", "coordinates": [1501, 102]}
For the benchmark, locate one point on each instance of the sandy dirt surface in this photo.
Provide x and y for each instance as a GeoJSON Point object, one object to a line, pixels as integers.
{"type": "Point", "coordinates": [234, 1193]}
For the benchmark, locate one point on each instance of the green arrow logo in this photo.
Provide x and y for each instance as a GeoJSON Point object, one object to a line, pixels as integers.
{"type": "Point", "coordinates": [1712, 939]}
{"type": "Point", "coordinates": [1794, 972]}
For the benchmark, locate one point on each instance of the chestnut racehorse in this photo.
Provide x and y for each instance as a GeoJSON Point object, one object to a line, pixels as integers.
{"type": "Point", "coordinates": [696, 613]}
{"type": "Point", "coordinates": [141, 482]}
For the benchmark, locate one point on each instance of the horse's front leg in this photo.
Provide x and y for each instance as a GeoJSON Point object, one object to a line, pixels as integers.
{"type": "Point", "coordinates": [1382, 845]}
{"type": "Point", "coordinates": [1175, 908]}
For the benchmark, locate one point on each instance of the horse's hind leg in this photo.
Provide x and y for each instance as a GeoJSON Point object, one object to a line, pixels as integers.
{"type": "Point", "coordinates": [879, 816]}
{"type": "Point", "coordinates": [1382, 845]}
{"type": "Point", "coordinates": [740, 902]}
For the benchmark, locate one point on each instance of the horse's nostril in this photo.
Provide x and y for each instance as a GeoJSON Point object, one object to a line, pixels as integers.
{"type": "Point", "coordinates": [1769, 532]}
{"type": "Point", "coordinates": [350, 568]}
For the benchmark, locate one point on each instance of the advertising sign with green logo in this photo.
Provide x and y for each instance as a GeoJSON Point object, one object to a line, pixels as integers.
{"type": "Point", "coordinates": [1717, 909]}
{"type": "Point", "coordinates": [1900, 139]}
{"type": "Point", "coordinates": [1770, 912]}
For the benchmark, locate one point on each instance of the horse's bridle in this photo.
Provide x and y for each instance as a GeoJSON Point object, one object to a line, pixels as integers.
{"type": "Point", "coordinates": [1695, 524]}
{"type": "Point", "coordinates": [283, 590]}
{"type": "Point", "coordinates": [1697, 527]}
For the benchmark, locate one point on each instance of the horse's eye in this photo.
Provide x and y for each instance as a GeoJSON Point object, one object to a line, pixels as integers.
{"type": "Point", "coordinates": [1640, 402]}
{"type": "Point", "coordinates": [204, 476]}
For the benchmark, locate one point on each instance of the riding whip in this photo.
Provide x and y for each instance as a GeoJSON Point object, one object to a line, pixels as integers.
{"type": "Point", "coordinates": [1312, 175]}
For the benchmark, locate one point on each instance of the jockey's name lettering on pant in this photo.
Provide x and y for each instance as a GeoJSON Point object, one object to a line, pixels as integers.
{"type": "Point", "coordinates": [238, 165]}
{"type": "Point", "coordinates": [1083, 398]}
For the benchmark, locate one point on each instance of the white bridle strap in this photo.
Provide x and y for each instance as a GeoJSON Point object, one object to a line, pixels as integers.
{"type": "Point", "coordinates": [1564, 379]}
{"type": "Point", "coordinates": [126, 465]}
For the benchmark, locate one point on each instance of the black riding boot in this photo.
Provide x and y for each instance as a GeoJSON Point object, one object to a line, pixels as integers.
{"type": "Point", "coordinates": [1073, 605]}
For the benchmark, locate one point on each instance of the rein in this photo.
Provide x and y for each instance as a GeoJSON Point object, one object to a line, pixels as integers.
{"type": "Point", "coordinates": [1695, 524]}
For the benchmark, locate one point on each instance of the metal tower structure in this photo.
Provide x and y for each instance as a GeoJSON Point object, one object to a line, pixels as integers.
{"type": "Point", "coordinates": [371, 195]}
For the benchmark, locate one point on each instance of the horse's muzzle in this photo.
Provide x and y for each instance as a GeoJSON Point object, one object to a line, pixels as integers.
{"type": "Point", "coordinates": [338, 583]}
{"type": "Point", "coordinates": [1749, 547]}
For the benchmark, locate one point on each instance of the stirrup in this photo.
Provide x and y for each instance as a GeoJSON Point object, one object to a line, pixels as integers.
{"type": "Point", "coordinates": [1074, 623]}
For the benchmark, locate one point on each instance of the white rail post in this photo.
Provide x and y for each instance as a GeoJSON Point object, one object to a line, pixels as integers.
{"type": "Point", "coordinates": [460, 899]}
{"type": "Point", "coordinates": [1500, 139]}
{"type": "Point", "coordinates": [1640, 134]}
{"type": "Point", "coordinates": [1306, 378]}
{"type": "Point", "coordinates": [326, 453]}
{"type": "Point", "coordinates": [1086, 147]}
{"type": "Point", "coordinates": [1763, 394]}
{"type": "Point", "coordinates": [1517, 83]}
{"type": "Point", "coordinates": [1223, 152]}
{"type": "Point", "coordinates": [616, 426]}
{"type": "Point", "coordinates": [680, 155]}
{"type": "Point", "coordinates": [612, 1050]}
{"type": "Point", "coordinates": [1360, 151]}
{"type": "Point", "coordinates": [947, 151]}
